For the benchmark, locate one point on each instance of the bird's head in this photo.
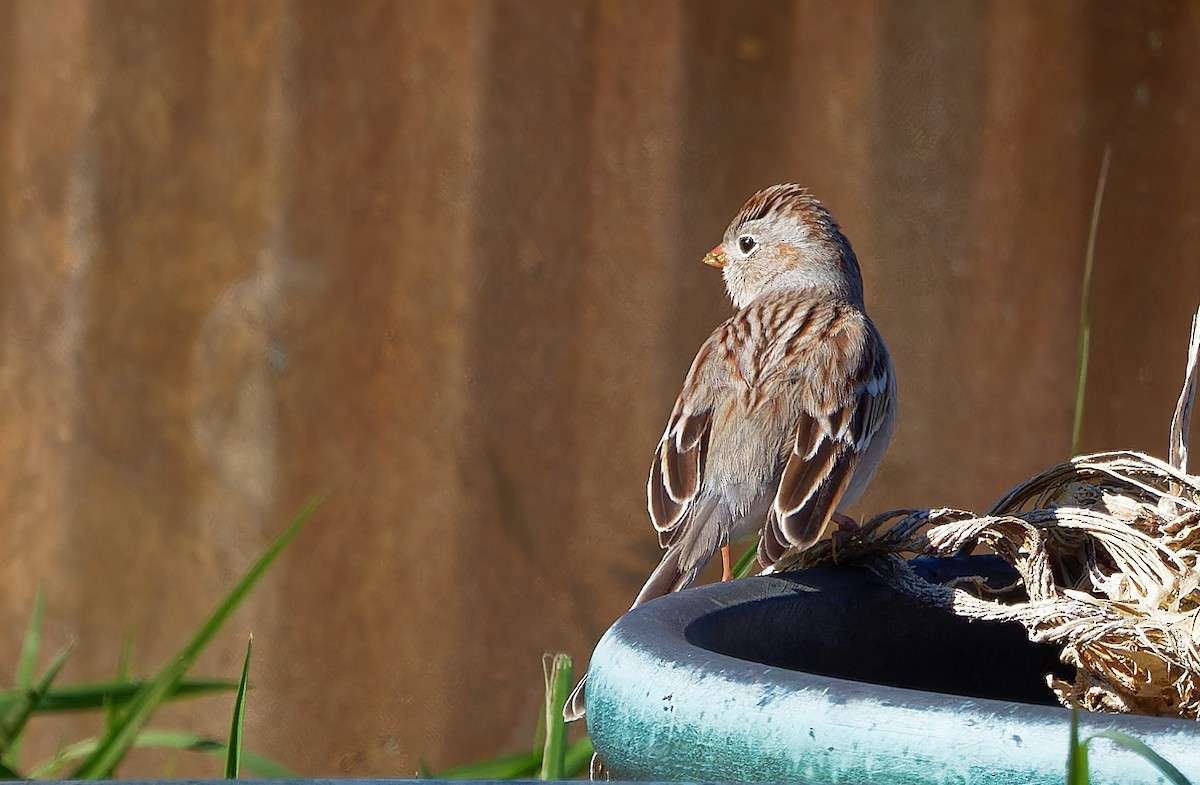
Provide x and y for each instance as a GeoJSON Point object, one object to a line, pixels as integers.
{"type": "Point", "coordinates": [783, 238]}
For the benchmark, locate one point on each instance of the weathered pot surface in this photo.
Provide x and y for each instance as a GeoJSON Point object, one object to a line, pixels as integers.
{"type": "Point", "coordinates": [829, 676]}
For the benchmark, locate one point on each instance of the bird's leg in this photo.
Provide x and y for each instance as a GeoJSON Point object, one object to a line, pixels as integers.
{"type": "Point", "coordinates": [726, 569]}
{"type": "Point", "coordinates": [847, 527]}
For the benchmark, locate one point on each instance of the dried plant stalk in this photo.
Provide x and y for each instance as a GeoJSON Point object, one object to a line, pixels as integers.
{"type": "Point", "coordinates": [1182, 421]}
{"type": "Point", "coordinates": [1107, 547]}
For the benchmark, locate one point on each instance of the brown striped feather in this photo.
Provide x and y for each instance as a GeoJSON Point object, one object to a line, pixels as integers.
{"type": "Point", "coordinates": [675, 474]}
{"type": "Point", "coordinates": [826, 452]}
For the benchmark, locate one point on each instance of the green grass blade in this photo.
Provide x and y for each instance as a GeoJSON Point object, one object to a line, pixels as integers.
{"type": "Point", "coordinates": [255, 764]}
{"type": "Point", "coordinates": [519, 766]}
{"type": "Point", "coordinates": [558, 672]}
{"type": "Point", "coordinates": [746, 564]}
{"type": "Point", "coordinates": [124, 669]}
{"type": "Point", "coordinates": [1085, 304]}
{"type": "Point", "coordinates": [233, 759]}
{"type": "Point", "coordinates": [15, 724]}
{"type": "Point", "coordinates": [261, 766]}
{"type": "Point", "coordinates": [31, 645]}
{"type": "Point", "coordinates": [1077, 754]}
{"type": "Point", "coordinates": [117, 741]}
{"type": "Point", "coordinates": [1133, 745]}
{"type": "Point", "coordinates": [125, 664]}
{"type": "Point", "coordinates": [93, 697]}
{"type": "Point", "coordinates": [578, 759]}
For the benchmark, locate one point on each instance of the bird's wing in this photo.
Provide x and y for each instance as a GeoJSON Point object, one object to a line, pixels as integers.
{"type": "Point", "coordinates": [829, 448]}
{"type": "Point", "coordinates": [678, 465]}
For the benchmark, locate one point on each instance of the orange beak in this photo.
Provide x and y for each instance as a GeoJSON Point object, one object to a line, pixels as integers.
{"type": "Point", "coordinates": [715, 257]}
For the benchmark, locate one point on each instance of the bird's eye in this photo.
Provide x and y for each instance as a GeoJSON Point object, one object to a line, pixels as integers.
{"type": "Point", "coordinates": [746, 243]}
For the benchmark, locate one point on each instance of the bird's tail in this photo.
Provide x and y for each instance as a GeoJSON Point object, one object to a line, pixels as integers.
{"type": "Point", "coordinates": [574, 708]}
{"type": "Point", "coordinates": [670, 575]}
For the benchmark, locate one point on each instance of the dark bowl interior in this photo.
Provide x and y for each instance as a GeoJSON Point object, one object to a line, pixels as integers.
{"type": "Point", "coordinates": [848, 624]}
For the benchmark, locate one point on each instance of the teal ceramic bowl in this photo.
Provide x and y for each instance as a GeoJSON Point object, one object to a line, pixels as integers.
{"type": "Point", "coordinates": [829, 676]}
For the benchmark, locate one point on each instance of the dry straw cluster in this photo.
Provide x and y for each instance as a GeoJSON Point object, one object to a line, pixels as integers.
{"type": "Point", "coordinates": [1107, 548]}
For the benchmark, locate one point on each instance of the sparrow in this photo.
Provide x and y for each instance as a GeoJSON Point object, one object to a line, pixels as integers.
{"type": "Point", "coordinates": [787, 408]}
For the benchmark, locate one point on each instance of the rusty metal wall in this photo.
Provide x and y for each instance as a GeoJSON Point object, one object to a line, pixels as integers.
{"type": "Point", "coordinates": [438, 261]}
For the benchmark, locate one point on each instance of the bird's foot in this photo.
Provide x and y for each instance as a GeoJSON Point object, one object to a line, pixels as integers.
{"type": "Point", "coordinates": [846, 529]}
{"type": "Point", "coordinates": [845, 523]}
